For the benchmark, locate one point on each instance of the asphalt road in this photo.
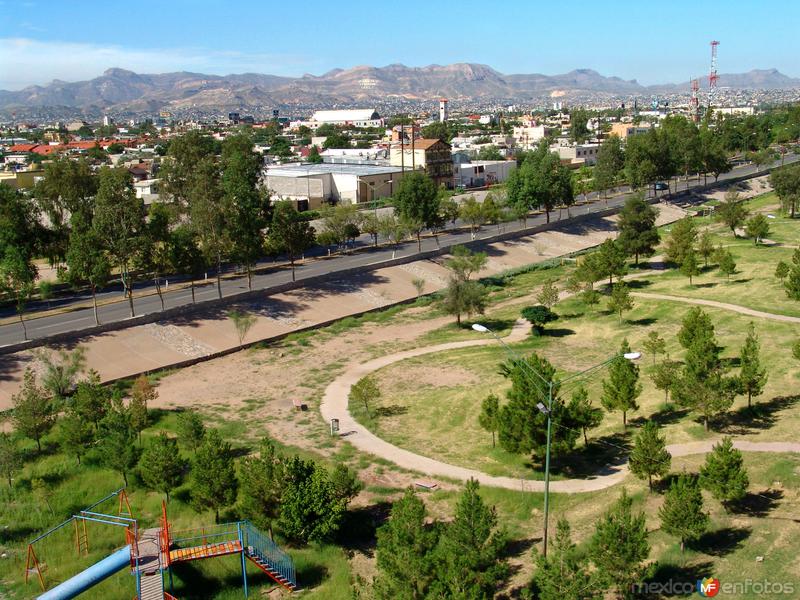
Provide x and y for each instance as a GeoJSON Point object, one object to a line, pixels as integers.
{"type": "Point", "coordinates": [81, 318]}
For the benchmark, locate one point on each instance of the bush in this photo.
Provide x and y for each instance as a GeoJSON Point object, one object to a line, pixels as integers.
{"type": "Point", "coordinates": [538, 316]}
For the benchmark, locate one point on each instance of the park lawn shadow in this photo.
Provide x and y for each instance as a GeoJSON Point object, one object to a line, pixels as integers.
{"type": "Point", "coordinates": [721, 542]}
{"type": "Point", "coordinates": [493, 324]}
{"type": "Point", "coordinates": [710, 284]}
{"type": "Point", "coordinates": [638, 284]}
{"type": "Point", "coordinates": [360, 524]}
{"type": "Point", "coordinates": [643, 322]}
{"type": "Point", "coordinates": [557, 332]}
{"type": "Point", "coordinates": [668, 572]}
{"type": "Point", "coordinates": [602, 456]}
{"type": "Point", "coordinates": [759, 416]}
{"type": "Point", "coordinates": [664, 416]}
{"type": "Point", "coordinates": [391, 410]}
{"type": "Point", "coordinates": [758, 504]}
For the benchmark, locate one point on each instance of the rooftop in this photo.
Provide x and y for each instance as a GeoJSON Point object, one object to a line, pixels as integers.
{"type": "Point", "coordinates": [306, 170]}
{"type": "Point", "coordinates": [334, 116]}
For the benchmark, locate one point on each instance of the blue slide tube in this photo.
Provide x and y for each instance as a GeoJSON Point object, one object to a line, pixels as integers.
{"type": "Point", "coordinates": [90, 577]}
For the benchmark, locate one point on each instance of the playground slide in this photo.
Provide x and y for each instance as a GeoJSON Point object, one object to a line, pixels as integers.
{"type": "Point", "coordinates": [90, 577]}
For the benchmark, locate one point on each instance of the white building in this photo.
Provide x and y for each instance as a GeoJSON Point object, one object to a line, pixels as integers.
{"type": "Point", "coordinates": [359, 117]}
{"type": "Point", "coordinates": [311, 185]}
{"type": "Point", "coordinates": [480, 173]}
{"type": "Point", "coordinates": [443, 114]}
{"type": "Point", "coordinates": [527, 137]}
{"type": "Point", "coordinates": [578, 153]}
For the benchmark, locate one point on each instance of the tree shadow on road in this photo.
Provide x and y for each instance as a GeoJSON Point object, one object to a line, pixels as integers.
{"type": "Point", "coordinates": [603, 456]}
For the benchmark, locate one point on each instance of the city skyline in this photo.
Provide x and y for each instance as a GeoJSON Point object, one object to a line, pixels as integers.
{"type": "Point", "coordinates": [208, 38]}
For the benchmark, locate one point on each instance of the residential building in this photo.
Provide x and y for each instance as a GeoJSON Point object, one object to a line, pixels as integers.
{"type": "Point", "coordinates": [480, 173]}
{"type": "Point", "coordinates": [309, 186]}
{"type": "Point", "coordinates": [360, 117]}
{"type": "Point", "coordinates": [578, 153]}
{"type": "Point", "coordinates": [528, 136]}
{"type": "Point", "coordinates": [432, 155]}
{"type": "Point", "coordinates": [623, 130]}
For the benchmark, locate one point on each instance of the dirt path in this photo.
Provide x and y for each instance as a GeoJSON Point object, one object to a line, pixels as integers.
{"type": "Point", "coordinates": [742, 310]}
{"type": "Point", "coordinates": [334, 405]}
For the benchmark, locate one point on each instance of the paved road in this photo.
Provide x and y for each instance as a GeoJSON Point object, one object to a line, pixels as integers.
{"type": "Point", "coordinates": [334, 405]}
{"type": "Point", "coordinates": [81, 318]}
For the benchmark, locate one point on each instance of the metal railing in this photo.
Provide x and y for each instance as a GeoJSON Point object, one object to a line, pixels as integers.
{"type": "Point", "coordinates": [259, 546]}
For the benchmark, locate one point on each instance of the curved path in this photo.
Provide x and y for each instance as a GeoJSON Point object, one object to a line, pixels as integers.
{"type": "Point", "coordinates": [335, 400]}
{"type": "Point", "coordinates": [737, 308]}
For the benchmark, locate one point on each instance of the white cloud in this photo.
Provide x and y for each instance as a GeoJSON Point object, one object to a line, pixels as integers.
{"type": "Point", "coordinates": [25, 61]}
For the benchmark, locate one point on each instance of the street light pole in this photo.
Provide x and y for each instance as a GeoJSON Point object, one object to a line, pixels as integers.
{"type": "Point", "coordinates": [548, 410]}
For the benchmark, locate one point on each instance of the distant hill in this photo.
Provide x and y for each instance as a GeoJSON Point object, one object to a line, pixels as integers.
{"type": "Point", "coordinates": [122, 90]}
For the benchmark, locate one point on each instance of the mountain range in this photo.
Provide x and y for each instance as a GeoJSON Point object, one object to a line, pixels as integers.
{"type": "Point", "coordinates": [120, 90]}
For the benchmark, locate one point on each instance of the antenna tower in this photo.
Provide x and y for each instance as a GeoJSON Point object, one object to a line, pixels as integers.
{"type": "Point", "coordinates": [712, 74]}
{"type": "Point", "coordinates": [694, 102]}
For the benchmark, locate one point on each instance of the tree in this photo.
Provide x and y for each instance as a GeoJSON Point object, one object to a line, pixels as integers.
{"type": "Point", "coordinates": [346, 484]}
{"type": "Point", "coordinates": [242, 321]}
{"type": "Point", "coordinates": [538, 316]}
{"type": "Point", "coordinates": [419, 285]}
{"type": "Point", "coordinates": [757, 227]}
{"type": "Point", "coordinates": [209, 215]}
{"type": "Point", "coordinates": [723, 473]}
{"type": "Point", "coordinates": [117, 440]}
{"type": "Point", "coordinates": [10, 458]}
{"type": "Point", "coordinates": [489, 418]}
{"type": "Point", "coordinates": [610, 261]}
{"type": "Point", "coordinates": [417, 200]}
{"type": "Point", "coordinates": [261, 485]}
{"type": "Point", "coordinates": [796, 350]}
{"type": "Point", "coordinates": [313, 156]}
{"type": "Point", "coordinates": [752, 376]}
{"type": "Point", "coordinates": [548, 294]}
{"type": "Point", "coordinates": [726, 263]}
{"type": "Point", "coordinates": [781, 270]}
{"type": "Point", "coordinates": [191, 430]}
{"type": "Point", "coordinates": [680, 241]}
{"type": "Point", "coordinates": [564, 573]}
{"type": "Point", "coordinates": [664, 376]}
{"type": "Point", "coordinates": [578, 129]}
{"type": "Point", "coordinates": [310, 507]}
{"type": "Point", "coordinates": [792, 284]}
{"type": "Point", "coordinates": [92, 399]}
{"type": "Point", "coordinates": [404, 552]}
{"type": "Point", "coordinates": [161, 465]}
{"type": "Point", "coordinates": [523, 426]}
{"type": "Point", "coordinates": [638, 234]}
{"type": "Point", "coordinates": [471, 211]}
{"type": "Point", "coordinates": [370, 224]}
{"type": "Point", "coordinates": [622, 387]}
{"type": "Point", "coordinates": [732, 212]}
{"type": "Point", "coordinates": [17, 277]}
{"type": "Point", "coordinates": [214, 482]}
{"type": "Point", "coordinates": [682, 513]}
{"type": "Point", "coordinates": [393, 230]}
{"type": "Point", "coordinates": [87, 262]}
{"type": "Point", "coordinates": [705, 246]}
{"type": "Point", "coordinates": [33, 413]}
{"type": "Point", "coordinates": [142, 394]}
{"type": "Point", "coordinates": [185, 254]}
{"type": "Point", "coordinates": [365, 391]}
{"type": "Point", "coordinates": [620, 300]}
{"type": "Point", "coordinates": [649, 457]}
{"type": "Point", "coordinates": [689, 266]}
{"type": "Point", "coordinates": [119, 222]}
{"type": "Point", "coordinates": [786, 183]}
{"type": "Point", "coordinates": [75, 433]}
{"type": "Point", "coordinates": [610, 163]}
{"type": "Point", "coordinates": [464, 297]}
{"type": "Point", "coordinates": [654, 344]}
{"type": "Point", "coordinates": [619, 547]}
{"type": "Point", "coordinates": [470, 551]}
{"type": "Point", "coordinates": [438, 130]}
{"type": "Point", "coordinates": [154, 251]}
{"type": "Point", "coordinates": [582, 414]}
{"type": "Point", "coordinates": [59, 370]}
{"type": "Point", "coordinates": [492, 210]}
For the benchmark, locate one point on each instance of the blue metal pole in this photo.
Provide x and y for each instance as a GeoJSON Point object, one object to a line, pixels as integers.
{"type": "Point", "coordinates": [244, 561]}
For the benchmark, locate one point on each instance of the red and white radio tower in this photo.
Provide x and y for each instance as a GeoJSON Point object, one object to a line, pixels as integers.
{"type": "Point", "coordinates": [712, 74]}
{"type": "Point", "coordinates": [694, 103]}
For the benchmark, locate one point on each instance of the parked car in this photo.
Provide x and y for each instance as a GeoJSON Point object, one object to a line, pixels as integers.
{"type": "Point", "coordinates": [660, 185]}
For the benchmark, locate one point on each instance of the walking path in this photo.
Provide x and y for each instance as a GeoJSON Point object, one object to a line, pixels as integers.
{"type": "Point", "coordinates": [743, 310]}
{"type": "Point", "coordinates": [334, 405]}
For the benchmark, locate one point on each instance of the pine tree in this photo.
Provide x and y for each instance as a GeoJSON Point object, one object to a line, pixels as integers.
{"type": "Point", "coordinates": [705, 246]}
{"type": "Point", "coordinates": [664, 376]}
{"type": "Point", "coordinates": [610, 261]}
{"type": "Point", "coordinates": [365, 391]}
{"type": "Point", "coordinates": [470, 551]}
{"type": "Point", "coordinates": [752, 376]}
{"type": "Point", "coordinates": [723, 473]}
{"type": "Point", "coordinates": [582, 414]}
{"type": "Point", "coordinates": [489, 418]}
{"type": "Point", "coordinates": [161, 465]}
{"type": "Point", "coordinates": [689, 266]}
{"type": "Point", "coordinates": [781, 270]}
{"type": "Point", "coordinates": [682, 513]}
{"type": "Point", "coordinates": [92, 399]}
{"type": "Point", "coordinates": [649, 457]}
{"type": "Point", "coordinates": [564, 573]}
{"type": "Point", "coordinates": [33, 413]}
{"type": "Point", "coordinates": [214, 480]}
{"type": "Point", "coordinates": [622, 387]}
{"type": "Point", "coordinates": [10, 458]}
{"type": "Point", "coordinates": [548, 295]}
{"type": "Point", "coordinates": [75, 433]}
{"type": "Point", "coordinates": [142, 393]}
{"type": "Point", "coordinates": [620, 300]}
{"type": "Point", "coordinates": [654, 345]}
{"type": "Point", "coordinates": [117, 439]}
{"type": "Point", "coordinates": [727, 264]}
{"type": "Point", "coordinates": [757, 227]}
{"type": "Point", "coordinates": [638, 234]}
{"type": "Point", "coordinates": [262, 482]}
{"type": "Point", "coordinates": [696, 324]}
{"type": "Point", "coordinates": [680, 241]}
{"type": "Point", "coordinates": [404, 551]}
{"type": "Point", "coordinates": [191, 430]}
{"type": "Point", "coordinates": [619, 546]}
{"type": "Point", "coordinates": [792, 284]}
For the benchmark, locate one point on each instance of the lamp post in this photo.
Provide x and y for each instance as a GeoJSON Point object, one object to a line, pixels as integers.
{"type": "Point", "coordinates": [547, 410]}
{"type": "Point", "coordinates": [373, 185]}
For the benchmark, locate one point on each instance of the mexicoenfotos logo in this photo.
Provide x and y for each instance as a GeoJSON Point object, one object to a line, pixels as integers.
{"type": "Point", "coordinates": [708, 587]}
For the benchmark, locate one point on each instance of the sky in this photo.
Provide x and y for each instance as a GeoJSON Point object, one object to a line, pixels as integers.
{"type": "Point", "coordinates": [652, 42]}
